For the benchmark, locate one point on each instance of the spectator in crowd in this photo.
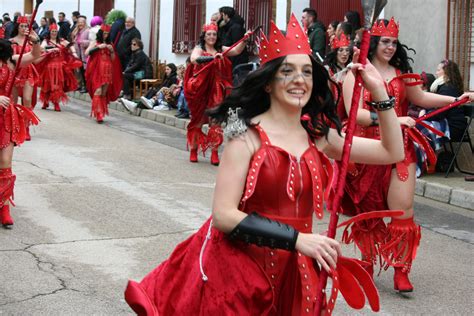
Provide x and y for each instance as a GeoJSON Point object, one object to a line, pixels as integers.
{"type": "Point", "coordinates": [182, 104]}
{"type": "Point", "coordinates": [96, 22]}
{"type": "Point", "coordinates": [353, 18]}
{"type": "Point", "coordinates": [116, 18]}
{"type": "Point", "coordinates": [138, 68]}
{"type": "Point", "coordinates": [316, 33]}
{"type": "Point", "coordinates": [43, 29]}
{"type": "Point", "coordinates": [64, 26]}
{"type": "Point", "coordinates": [8, 26]}
{"type": "Point", "coordinates": [123, 46]}
{"type": "Point", "coordinates": [331, 32]}
{"type": "Point", "coordinates": [74, 17]}
{"type": "Point", "coordinates": [35, 26]}
{"type": "Point", "coordinates": [80, 38]}
{"type": "Point", "coordinates": [232, 31]}
{"type": "Point", "coordinates": [346, 29]}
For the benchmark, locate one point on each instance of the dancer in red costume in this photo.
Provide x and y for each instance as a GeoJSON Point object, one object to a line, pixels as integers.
{"type": "Point", "coordinates": [103, 74]}
{"type": "Point", "coordinates": [207, 89]}
{"type": "Point", "coordinates": [57, 69]}
{"type": "Point", "coordinates": [258, 255]}
{"type": "Point", "coordinates": [336, 63]}
{"type": "Point", "coordinates": [27, 80]}
{"type": "Point", "coordinates": [370, 188]}
{"type": "Point", "coordinates": [14, 119]}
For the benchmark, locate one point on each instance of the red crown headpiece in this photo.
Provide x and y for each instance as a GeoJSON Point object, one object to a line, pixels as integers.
{"type": "Point", "coordinates": [379, 28]}
{"type": "Point", "coordinates": [53, 27]}
{"type": "Point", "coordinates": [341, 42]}
{"type": "Point", "coordinates": [105, 28]}
{"type": "Point", "coordinates": [295, 42]}
{"type": "Point", "coordinates": [22, 20]}
{"type": "Point", "coordinates": [209, 27]}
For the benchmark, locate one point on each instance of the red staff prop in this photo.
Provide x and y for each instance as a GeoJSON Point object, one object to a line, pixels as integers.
{"type": "Point", "coordinates": [372, 9]}
{"type": "Point", "coordinates": [441, 110]}
{"type": "Point", "coordinates": [22, 52]}
{"type": "Point", "coordinates": [229, 49]}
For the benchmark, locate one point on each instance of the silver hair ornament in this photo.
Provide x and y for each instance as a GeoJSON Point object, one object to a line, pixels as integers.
{"type": "Point", "coordinates": [234, 126]}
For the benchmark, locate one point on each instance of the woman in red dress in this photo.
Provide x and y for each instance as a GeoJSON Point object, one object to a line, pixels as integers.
{"type": "Point", "coordinates": [392, 186]}
{"type": "Point", "coordinates": [207, 89]}
{"type": "Point", "coordinates": [14, 119]}
{"type": "Point", "coordinates": [103, 74]}
{"type": "Point", "coordinates": [57, 69]}
{"type": "Point", "coordinates": [258, 255]}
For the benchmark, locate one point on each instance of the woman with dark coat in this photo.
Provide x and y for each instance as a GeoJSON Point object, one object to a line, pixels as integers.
{"type": "Point", "coordinates": [138, 68]}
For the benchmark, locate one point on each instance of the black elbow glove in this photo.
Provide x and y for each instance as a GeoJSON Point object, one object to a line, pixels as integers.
{"type": "Point", "coordinates": [262, 231]}
{"type": "Point", "coordinates": [204, 59]}
{"type": "Point", "coordinates": [93, 50]}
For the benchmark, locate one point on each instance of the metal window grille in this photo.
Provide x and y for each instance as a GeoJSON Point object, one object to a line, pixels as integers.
{"type": "Point", "coordinates": [460, 36]}
{"type": "Point", "coordinates": [189, 16]}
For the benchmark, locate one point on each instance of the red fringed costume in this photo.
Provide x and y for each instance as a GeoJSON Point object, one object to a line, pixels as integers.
{"type": "Point", "coordinates": [27, 74]}
{"type": "Point", "coordinates": [101, 70]}
{"type": "Point", "coordinates": [57, 75]}
{"type": "Point", "coordinates": [205, 91]}
{"type": "Point", "coordinates": [13, 129]}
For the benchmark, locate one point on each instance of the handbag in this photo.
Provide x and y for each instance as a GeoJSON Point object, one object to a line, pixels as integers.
{"type": "Point", "coordinates": [139, 75]}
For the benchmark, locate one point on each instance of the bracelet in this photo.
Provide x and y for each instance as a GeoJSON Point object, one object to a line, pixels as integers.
{"type": "Point", "coordinates": [382, 105]}
{"type": "Point", "coordinates": [374, 117]}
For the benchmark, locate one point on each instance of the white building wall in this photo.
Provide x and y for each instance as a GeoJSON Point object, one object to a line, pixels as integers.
{"type": "Point", "coordinates": [212, 6]}
{"type": "Point", "coordinates": [86, 7]}
{"type": "Point", "coordinates": [166, 34]}
{"type": "Point", "coordinates": [128, 6]}
{"type": "Point", "coordinates": [10, 7]}
{"type": "Point", "coordinates": [142, 21]}
{"type": "Point", "coordinates": [297, 7]}
{"type": "Point", "coordinates": [280, 18]}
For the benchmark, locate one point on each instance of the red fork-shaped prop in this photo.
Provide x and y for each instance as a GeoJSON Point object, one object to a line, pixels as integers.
{"type": "Point", "coordinates": [22, 52]}
{"type": "Point", "coordinates": [364, 49]}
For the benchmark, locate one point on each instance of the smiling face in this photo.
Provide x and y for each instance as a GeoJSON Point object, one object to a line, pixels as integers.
{"type": "Point", "coordinates": [293, 82]}
{"type": "Point", "coordinates": [53, 34]}
{"type": "Point", "coordinates": [210, 37]}
{"type": "Point", "coordinates": [22, 28]}
{"type": "Point", "coordinates": [386, 48]}
{"type": "Point", "coordinates": [331, 31]}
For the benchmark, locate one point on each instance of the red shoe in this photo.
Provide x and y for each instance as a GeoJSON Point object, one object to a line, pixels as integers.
{"type": "Point", "coordinates": [5, 217]}
{"type": "Point", "coordinates": [100, 118]}
{"type": "Point", "coordinates": [215, 158]}
{"type": "Point", "coordinates": [401, 282]}
{"type": "Point", "coordinates": [57, 108]}
{"type": "Point", "coordinates": [193, 157]}
{"type": "Point", "coordinates": [45, 106]}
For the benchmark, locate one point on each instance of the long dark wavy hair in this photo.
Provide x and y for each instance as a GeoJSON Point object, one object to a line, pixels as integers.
{"type": "Point", "coordinates": [253, 100]}
{"type": "Point", "coordinates": [100, 38]}
{"type": "Point", "coordinates": [400, 59]}
{"type": "Point", "coordinates": [6, 50]}
{"type": "Point", "coordinates": [217, 45]}
{"type": "Point", "coordinates": [452, 75]}
{"type": "Point", "coordinates": [331, 60]}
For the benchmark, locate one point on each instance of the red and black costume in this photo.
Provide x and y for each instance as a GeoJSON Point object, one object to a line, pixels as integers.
{"type": "Point", "coordinates": [367, 186]}
{"type": "Point", "coordinates": [102, 70]}
{"type": "Point", "coordinates": [205, 91]}
{"type": "Point", "coordinates": [14, 121]}
{"type": "Point", "coordinates": [57, 74]}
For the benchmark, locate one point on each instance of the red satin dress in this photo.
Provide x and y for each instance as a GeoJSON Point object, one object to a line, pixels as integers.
{"type": "Point", "coordinates": [210, 275]}
{"type": "Point", "coordinates": [57, 75]}
{"type": "Point", "coordinates": [205, 91]}
{"type": "Point", "coordinates": [15, 118]}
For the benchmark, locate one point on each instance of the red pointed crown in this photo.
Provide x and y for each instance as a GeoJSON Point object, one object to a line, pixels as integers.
{"type": "Point", "coordinates": [105, 28]}
{"type": "Point", "coordinates": [209, 27]}
{"type": "Point", "coordinates": [379, 28]}
{"type": "Point", "coordinates": [22, 20]}
{"type": "Point", "coordinates": [343, 41]}
{"type": "Point", "coordinates": [295, 42]}
{"type": "Point", "coordinates": [53, 27]}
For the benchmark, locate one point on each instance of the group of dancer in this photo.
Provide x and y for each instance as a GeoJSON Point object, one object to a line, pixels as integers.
{"type": "Point", "coordinates": [257, 254]}
{"type": "Point", "coordinates": [50, 66]}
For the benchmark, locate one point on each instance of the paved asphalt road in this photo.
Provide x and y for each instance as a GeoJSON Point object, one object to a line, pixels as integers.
{"type": "Point", "coordinates": [99, 204]}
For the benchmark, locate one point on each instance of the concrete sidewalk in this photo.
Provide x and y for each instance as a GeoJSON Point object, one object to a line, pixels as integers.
{"type": "Point", "coordinates": [453, 190]}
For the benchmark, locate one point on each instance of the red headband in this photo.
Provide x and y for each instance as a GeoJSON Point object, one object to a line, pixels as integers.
{"type": "Point", "coordinates": [53, 27]}
{"type": "Point", "coordinates": [209, 27]}
{"type": "Point", "coordinates": [295, 42]}
{"type": "Point", "coordinates": [22, 20]}
{"type": "Point", "coordinates": [379, 29]}
{"type": "Point", "coordinates": [105, 28]}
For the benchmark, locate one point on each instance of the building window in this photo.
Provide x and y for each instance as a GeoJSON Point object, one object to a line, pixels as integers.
{"type": "Point", "coordinates": [460, 36]}
{"type": "Point", "coordinates": [189, 17]}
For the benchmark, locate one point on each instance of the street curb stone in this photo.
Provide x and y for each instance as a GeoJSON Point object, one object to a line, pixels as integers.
{"type": "Point", "coordinates": [435, 191]}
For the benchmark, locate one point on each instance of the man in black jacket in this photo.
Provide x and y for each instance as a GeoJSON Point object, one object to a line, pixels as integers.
{"type": "Point", "coordinates": [123, 46]}
{"type": "Point", "coordinates": [232, 31]}
{"type": "Point", "coordinates": [316, 33]}
{"type": "Point", "coordinates": [64, 26]}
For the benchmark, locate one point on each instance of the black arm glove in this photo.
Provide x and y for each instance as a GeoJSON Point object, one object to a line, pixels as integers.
{"type": "Point", "coordinates": [262, 231]}
{"type": "Point", "coordinates": [204, 59]}
{"type": "Point", "coordinates": [93, 50]}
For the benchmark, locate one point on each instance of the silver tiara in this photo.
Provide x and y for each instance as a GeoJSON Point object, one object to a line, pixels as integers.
{"type": "Point", "coordinates": [234, 126]}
